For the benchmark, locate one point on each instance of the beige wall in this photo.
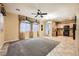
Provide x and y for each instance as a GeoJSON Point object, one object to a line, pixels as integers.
{"type": "Point", "coordinates": [35, 34]}
{"type": "Point", "coordinates": [11, 24]}
{"type": "Point", "coordinates": [62, 25]}
{"type": "Point", "coordinates": [54, 27]}
{"type": "Point", "coordinates": [77, 36]}
{"type": "Point", "coordinates": [42, 33]}
{"type": "Point", "coordinates": [26, 35]}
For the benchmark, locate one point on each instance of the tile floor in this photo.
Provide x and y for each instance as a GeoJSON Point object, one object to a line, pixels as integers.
{"type": "Point", "coordinates": [65, 48]}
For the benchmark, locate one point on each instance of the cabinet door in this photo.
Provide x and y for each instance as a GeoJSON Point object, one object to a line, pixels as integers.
{"type": "Point", "coordinates": [66, 31]}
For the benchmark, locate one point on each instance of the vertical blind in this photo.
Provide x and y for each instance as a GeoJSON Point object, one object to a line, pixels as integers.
{"type": "Point", "coordinates": [47, 28]}
{"type": "Point", "coordinates": [35, 27]}
{"type": "Point", "coordinates": [25, 27]}
{"type": "Point", "coordinates": [1, 22]}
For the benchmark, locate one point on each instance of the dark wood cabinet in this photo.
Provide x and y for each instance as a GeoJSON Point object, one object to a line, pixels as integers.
{"type": "Point", "coordinates": [66, 31]}
{"type": "Point", "coordinates": [74, 29]}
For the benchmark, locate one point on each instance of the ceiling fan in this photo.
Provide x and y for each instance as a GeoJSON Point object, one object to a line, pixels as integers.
{"type": "Point", "coordinates": [39, 13]}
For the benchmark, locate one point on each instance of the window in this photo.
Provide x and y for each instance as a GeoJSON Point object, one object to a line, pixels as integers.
{"type": "Point", "coordinates": [1, 22]}
{"type": "Point", "coordinates": [25, 27]}
{"type": "Point", "coordinates": [47, 28]}
{"type": "Point", "coordinates": [35, 27]}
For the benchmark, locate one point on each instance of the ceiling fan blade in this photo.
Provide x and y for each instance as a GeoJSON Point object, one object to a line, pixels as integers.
{"type": "Point", "coordinates": [39, 13]}
{"type": "Point", "coordinates": [38, 9]}
{"type": "Point", "coordinates": [36, 15]}
{"type": "Point", "coordinates": [43, 13]}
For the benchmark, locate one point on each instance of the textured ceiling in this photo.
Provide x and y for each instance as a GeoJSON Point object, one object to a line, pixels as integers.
{"type": "Point", "coordinates": [54, 10]}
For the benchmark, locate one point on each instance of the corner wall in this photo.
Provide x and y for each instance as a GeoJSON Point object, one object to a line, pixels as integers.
{"type": "Point", "coordinates": [42, 32]}
{"type": "Point", "coordinates": [11, 24]}
{"type": "Point", "coordinates": [77, 36]}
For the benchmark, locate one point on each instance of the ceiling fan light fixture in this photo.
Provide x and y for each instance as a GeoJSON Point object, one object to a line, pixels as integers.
{"type": "Point", "coordinates": [39, 14]}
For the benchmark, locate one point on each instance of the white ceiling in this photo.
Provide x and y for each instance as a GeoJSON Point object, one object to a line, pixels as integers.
{"type": "Point", "coordinates": [54, 10]}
